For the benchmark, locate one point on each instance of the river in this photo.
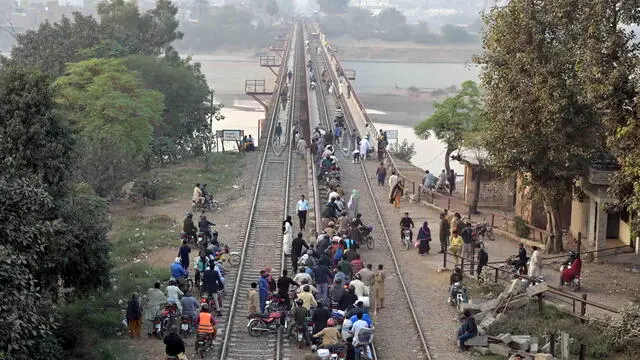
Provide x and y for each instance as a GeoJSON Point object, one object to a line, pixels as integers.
{"type": "Point", "coordinates": [374, 83]}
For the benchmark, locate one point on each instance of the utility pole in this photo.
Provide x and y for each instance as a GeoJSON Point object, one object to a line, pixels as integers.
{"type": "Point", "coordinates": [209, 146]}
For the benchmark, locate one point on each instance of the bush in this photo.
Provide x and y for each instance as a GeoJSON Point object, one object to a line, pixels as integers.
{"type": "Point", "coordinates": [404, 151]}
{"type": "Point", "coordinates": [522, 230]}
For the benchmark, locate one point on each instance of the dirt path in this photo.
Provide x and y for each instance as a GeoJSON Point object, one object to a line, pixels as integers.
{"type": "Point", "coordinates": [235, 202]}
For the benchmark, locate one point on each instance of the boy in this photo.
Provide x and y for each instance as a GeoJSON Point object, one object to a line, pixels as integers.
{"type": "Point", "coordinates": [252, 295]}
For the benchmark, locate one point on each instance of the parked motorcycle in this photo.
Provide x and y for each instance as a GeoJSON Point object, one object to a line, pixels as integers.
{"type": "Point", "coordinates": [260, 324]}
{"type": "Point", "coordinates": [458, 295]}
{"type": "Point", "coordinates": [508, 269]}
{"type": "Point", "coordinates": [484, 231]}
{"type": "Point", "coordinates": [406, 238]}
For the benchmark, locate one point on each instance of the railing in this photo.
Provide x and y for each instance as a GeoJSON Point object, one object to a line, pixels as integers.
{"type": "Point", "coordinates": [341, 72]}
{"type": "Point", "coordinates": [578, 304]}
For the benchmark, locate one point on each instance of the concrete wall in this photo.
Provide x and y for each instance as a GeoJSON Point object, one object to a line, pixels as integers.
{"type": "Point", "coordinates": [625, 232]}
{"type": "Point", "coordinates": [494, 192]}
{"type": "Point", "coordinates": [579, 218]}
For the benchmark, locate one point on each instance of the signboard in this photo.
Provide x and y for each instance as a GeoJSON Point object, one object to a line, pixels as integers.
{"type": "Point", "coordinates": [392, 135]}
{"type": "Point", "coordinates": [232, 135]}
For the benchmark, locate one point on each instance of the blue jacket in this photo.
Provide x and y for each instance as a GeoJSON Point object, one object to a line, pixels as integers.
{"type": "Point", "coordinates": [177, 271]}
{"type": "Point", "coordinates": [263, 285]}
{"type": "Point", "coordinates": [365, 317]}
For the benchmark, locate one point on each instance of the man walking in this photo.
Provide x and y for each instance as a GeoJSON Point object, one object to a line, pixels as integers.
{"type": "Point", "coordinates": [278, 133]}
{"type": "Point", "coordinates": [303, 208]}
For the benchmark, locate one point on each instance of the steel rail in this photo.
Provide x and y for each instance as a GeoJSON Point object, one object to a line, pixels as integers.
{"type": "Point", "coordinates": [252, 217]}
{"type": "Point", "coordinates": [347, 113]}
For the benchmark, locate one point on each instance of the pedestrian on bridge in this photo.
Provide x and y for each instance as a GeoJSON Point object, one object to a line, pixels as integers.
{"type": "Point", "coordinates": [278, 133]}
{"type": "Point", "coordinates": [381, 174]}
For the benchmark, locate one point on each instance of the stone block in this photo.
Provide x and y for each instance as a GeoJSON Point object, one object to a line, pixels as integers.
{"type": "Point", "coordinates": [518, 303]}
{"type": "Point", "coordinates": [542, 356]}
{"type": "Point", "coordinates": [546, 348]}
{"type": "Point", "coordinates": [489, 304]}
{"type": "Point", "coordinates": [537, 289]}
{"type": "Point", "coordinates": [534, 345]}
{"type": "Point", "coordinates": [482, 315]}
{"type": "Point", "coordinates": [521, 342]}
{"type": "Point", "coordinates": [505, 338]}
{"type": "Point", "coordinates": [473, 308]}
{"type": "Point", "coordinates": [480, 350]}
{"type": "Point", "coordinates": [478, 340]}
{"type": "Point", "coordinates": [487, 322]}
{"type": "Point", "coordinates": [500, 349]}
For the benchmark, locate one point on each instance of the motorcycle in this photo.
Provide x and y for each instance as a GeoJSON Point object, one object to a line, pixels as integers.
{"type": "Point", "coordinates": [186, 323]}
{"type": "Point", "coordinates": [574, 284]}
{"type": "Point", "coordinates": [204, 344]}
{"type": "Point", "coordinates": [162, 321]}
{"type": "Point", "coordinates": [260, 324]}
{"type": "Point", "coordinates": [406, 238]}
{"type": "Point", "coordinates": [484, 231]}
{"type": "Point", "coordinates": [367, 239]}
{"type": "Point", "coordinates": [458, 295]}
{"type": "Point", "coordinates": [508, 269]}
{"type": "Point", "coordinates": [190, 239]}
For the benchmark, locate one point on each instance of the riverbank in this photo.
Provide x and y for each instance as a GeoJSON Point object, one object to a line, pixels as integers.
{"type": "Point", "coordinates": [408, 52]}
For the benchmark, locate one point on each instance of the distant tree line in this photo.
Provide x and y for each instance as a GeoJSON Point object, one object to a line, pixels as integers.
{"type": "Point", "coordinates": [231, 27]}
{"type": "Point", "coordinates": [85, 106]}
{"type": "Point", "coordinates": [389, 25]}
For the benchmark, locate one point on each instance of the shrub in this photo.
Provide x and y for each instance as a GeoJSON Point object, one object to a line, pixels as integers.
{"type": "Point", "coordinates": [404, 151]}
{"type": "Point", "coordinates": [522, 230]}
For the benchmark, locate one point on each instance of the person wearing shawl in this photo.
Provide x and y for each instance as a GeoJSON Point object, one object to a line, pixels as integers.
{"type": "Point", "coordinates": [354, 202]}
{"type": "Point", "coordinates": [134, 315]}
{"type": "Point", "coordinates": [287, 235]}
{"type": "Point", "coordinates": [424, 237]}
{"type": "Point", "coordinates": [155, 300]}
{"type": "Point", "coordinates": [396, 194]}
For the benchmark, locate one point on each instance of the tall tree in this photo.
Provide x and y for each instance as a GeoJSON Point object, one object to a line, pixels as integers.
{"type": "Point", "coordinates": [608, 64]}
{"type": "Point", "coordinates": [53, 45]}
{"type": "Point", "coordinates": [542, 128]}
{"type": "Point", "coordinates": [150, 33]}
{"type": "Point", "coordinates": [453, 117]}
{"type": "Point", "coordinates": [114, 115]}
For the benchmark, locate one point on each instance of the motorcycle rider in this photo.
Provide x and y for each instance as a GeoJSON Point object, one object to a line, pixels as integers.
{"type": "Point", "coordinates": [174, 345]}
{"type": "Point", "coordinates": [300, 314]}
{"type": "Point", "coordinates": [571, 269]}
{"type": "Point", "coordinates": [428, 180]}
{"type": "Point", "coordinates": [522, 258]}
{"type": "Point", "coordinates": [178, 272]}
{"type": "Point", "coordinates": [197, 195]}
{"type": "Point", "coordinates": [330, 335]}
{"type": "Point", "coordinates": [206, 196]}
{"type": "Point", "coordinates": [308, 301]}
{"type": "Point", "coordinates": [283, 287]}
{"type": "Point", "coordinates": [188, 227]}
{"type": "Point", "coordinates": [174, 293]}
{"type": "Point", "coordinates": [189, 306]}
{"type": "Point", "coordinates": [406, 223]}
{"type": "Point", "coordinates": [212, 284]}
{"type": "Point", "coordinates": [206, 324]}
{"type": "Point", "coordinates": [320, 316]}
{"type": "Point", "coordinates": [205, 225]}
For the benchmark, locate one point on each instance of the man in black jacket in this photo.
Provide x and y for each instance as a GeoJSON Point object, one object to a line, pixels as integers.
{"type": "Point", "coordinates": [483, 260]}
{"type": "Point", "coordinates": [320, 317]}
{"type": "Point", "coordinates": [296, 250]}
{"type": "Point", "coordinates": [283, 287]}
{"type": "Point", "coordinates": [211, 285]}
{"type": "Point", "coordinates": [468, 329]}
{"type": "Point", "coordinates": [173, 343]}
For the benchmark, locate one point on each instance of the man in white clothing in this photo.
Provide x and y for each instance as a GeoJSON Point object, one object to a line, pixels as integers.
{"type": "Point", "coordinates": [358, 285]}
{"type": "Point", "coordinates": [302, 207]}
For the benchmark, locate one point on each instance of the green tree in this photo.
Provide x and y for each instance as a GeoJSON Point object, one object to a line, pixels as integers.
{"type": "Point", "coordinates": [150, 33]}
{"type": "Point", "coordinates": [542, 127]}
{"type": "Point", "coordinates": [53, 45]}
{"type": "Point", "coordinates": [333, 7]}
{"type": "Point", "coordinates": [608, 64]}
{"type": "Point", "coordinates": [453, 117]}
{"type": "Point", "coordinates": [185, 93]}
{"type": "Point", "coordinates": [362, 21]}
{"type": "Point", "coordinates": [392, 24]}
{"type": "Point", "coordinates": [114, 115]}
{"type": "Point", "coordinates": [456, 34]}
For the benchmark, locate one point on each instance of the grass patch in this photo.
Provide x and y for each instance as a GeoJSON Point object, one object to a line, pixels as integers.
{"type": "Point", "coordinates": [134, 234]}
{"type": "Point", "coordinates": [530, 321]}
{"type": "Point", "coordinates": [220, 170]}
{"type": "Point", "coordinates": [114, 350]}
{"type": "Point", "coordinates": [490, 357]}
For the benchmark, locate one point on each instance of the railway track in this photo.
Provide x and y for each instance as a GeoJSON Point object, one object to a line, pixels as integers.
{"type": "Point", "coordinates": [262, 244]}
{"type": "Point", "coordinates": [321, 62]}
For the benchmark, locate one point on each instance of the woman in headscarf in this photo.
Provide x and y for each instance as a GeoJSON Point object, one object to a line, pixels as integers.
{"type": "Point", "coordinates": [134, 315]}
{"type": "Point", "coordinates": [354, 201]}
{"type": "Point", "coordinates": [287, 235]}
{"type": "Point", "coordinates": [396, 194]}
{"type": "Point", "coordinates": [424, 237]}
